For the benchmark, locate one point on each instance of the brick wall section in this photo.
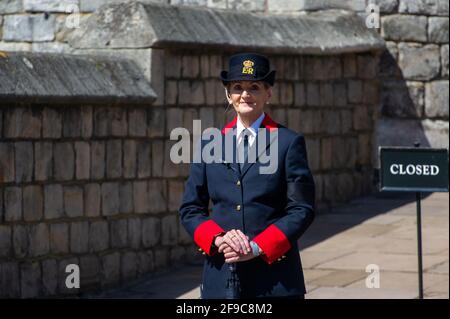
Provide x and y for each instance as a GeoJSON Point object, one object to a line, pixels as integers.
{"type": "Point", "coordinates": [94, 186]}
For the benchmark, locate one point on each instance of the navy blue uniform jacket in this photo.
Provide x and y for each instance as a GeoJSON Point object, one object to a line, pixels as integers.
{"type": "Point", "coordinates": [273, 210]}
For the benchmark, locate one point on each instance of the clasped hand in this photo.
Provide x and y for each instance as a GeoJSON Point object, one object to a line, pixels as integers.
{"type": "Point", "coordinates": [235, 246]}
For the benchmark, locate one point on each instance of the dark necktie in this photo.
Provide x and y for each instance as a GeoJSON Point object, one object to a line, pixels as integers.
{"type": "Point", "coordinates": [245, 141]}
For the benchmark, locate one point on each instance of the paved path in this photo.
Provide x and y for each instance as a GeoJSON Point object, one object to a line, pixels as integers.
{"type": "Point", "coordinates": [339, 245]}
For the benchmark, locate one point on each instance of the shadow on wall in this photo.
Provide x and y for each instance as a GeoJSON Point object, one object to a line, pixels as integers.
{"type": "Point", "coordinates": [410, 110]}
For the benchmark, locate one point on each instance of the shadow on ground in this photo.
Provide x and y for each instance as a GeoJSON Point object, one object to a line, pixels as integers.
{"type": "Point", "coordinates": [182, 281]}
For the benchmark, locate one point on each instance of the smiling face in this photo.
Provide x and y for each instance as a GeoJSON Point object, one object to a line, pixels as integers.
{"type": "Point", "coordinates": [248, 98]}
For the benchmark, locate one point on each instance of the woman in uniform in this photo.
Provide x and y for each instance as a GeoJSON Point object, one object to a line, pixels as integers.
{"type": "Point", "coordinates": [249, 238]}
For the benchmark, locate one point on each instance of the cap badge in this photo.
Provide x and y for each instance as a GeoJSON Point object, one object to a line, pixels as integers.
{"type": "Point", "coordinates": [248, 67]}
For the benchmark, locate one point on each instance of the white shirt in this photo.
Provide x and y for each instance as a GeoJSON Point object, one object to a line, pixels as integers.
{"type": "Point", "coordinates": [253, 130]}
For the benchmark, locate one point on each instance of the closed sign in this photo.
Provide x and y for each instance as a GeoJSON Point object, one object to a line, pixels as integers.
{"type": "Point", "coordinates": [413, 169]}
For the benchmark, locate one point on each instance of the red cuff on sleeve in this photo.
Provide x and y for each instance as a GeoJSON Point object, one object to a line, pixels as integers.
{"type": "Point", "coordinates": [273, 243]}
{"type": "Point", "coordinates": [204, 235]}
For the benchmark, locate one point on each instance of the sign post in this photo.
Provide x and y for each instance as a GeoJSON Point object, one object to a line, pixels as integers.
{"type": "Point", "coordinates": [414, 169]}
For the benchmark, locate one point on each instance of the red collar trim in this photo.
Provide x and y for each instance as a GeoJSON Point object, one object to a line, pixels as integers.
{"type": "Point", "coordinates": [267, 122]}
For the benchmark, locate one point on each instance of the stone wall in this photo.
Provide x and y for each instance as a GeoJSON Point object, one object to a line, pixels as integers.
{"type": "Point", "coordinates": [94, 185]}
{"type": "Point", "coordinates": [88, 186]}
{"type": "Point", "coordinates": [414, 73]}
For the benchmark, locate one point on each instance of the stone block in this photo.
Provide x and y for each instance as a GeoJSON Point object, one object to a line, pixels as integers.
{"type": "Point", "coordinates": [144, 161]}
{"type": "Point", "coordinates": [118, 233]}
{"type": "Point", "coordinates": [140, 199]}
{"type": "Point", "coordinates": [134, 233]}
{"type": "Point", "coordinates": [438, 29]}
{"type": "Point", "coordinates": [293, 117]}
{"type": "Point", "coordinates": [429, 56]}
{"type": "Point", "coordinates": [53, 201]}
{"type": "Point", "coordinates": [30, 283]}
{"type": "Point", "coordinates": [110, 199]}
{"type": "Point", "coordinates": [86, 121]}
{"type": "Point", "coordinates": [59, 238]}
{"type": "Point", "coordinates": [331, 122]}
{"type": "Point", "coordinates": [355, 91]}
{"type": "Point", "coordinates": [248, 5]}
{"type": "Point", "coordinates": [362, 119]}
{"type": "Point", "coordinates": [312, 94]}
{"type": "Point", "coordinates": [33, 203]}
{"type": "Point", "coordinates": [82, 160]}
{"type": "Point", "coordinates": [113, 158]}
{"type": "Point", "coordinates": [7, 169]}
{"type": "Point", "coordinates": [210, 92]}
{"type": "Point", "coordinates": [24, 161]}
{"type": "Point", "coordinates": [137, 122]}
{"type": "Point", "coordinates": [89, 271]}
{"type": "Point", "coordinates": [39, 240]}
{"type": "Point", "coordinates": [340, 94]}
{"type": "Point", "coordinates": [110, 269]}
{"type": "Point", "coordinates": [157, 195]}
{"type": "Point", "coordinates": [151, 232]}
{"type": "Point", "coordinates": [9, 279]}
{"type": "Point", "coordinates": [145, 262]}
{"type": "Point", "coordinates": [436, 99]}
{"type": "Point", "coordinates": [400, 99]}
{"type": "Point", "coordinates": [79, 237]}
{"type": "Point", "coordinates": [177, 254]}
{"type": "Point", "coordinates": [51, 123]}
{"type": "Point", "coordinates": [287, 94]}
{"type": "Point", "coordinates": [23, 122]}
{"type": "Point", "coordinates": [444, 61]}
{"type": "Point", "coordinates": [176, 190]}
{"type": "Point", "coordinates": [20, 240]}
{"type": "Point", "coordinates": [129, 263]}
{"type": "Point", "coordinates": [426, 7]}
{"type": "Point", "coordinates": [364, 149]}
{"type": "Point", "coordinates": [157, 74]}
{"type": "Point", "coordinates": [30, 28]}
{"type": "Point", "coordinates": [92, 198]}
{"type": "Point", "coordinates": [190, 66]}
{"type": "Point", "coordinates": [126, 197]}
{"type": "Point", "coordinates": [72, 122]}
{"type": "Point", "coordinates": [13, 203]}
{"type": "Point", "coordinates": [98, 236]}
{"type": "Point", "coordinates": [129, 159]}
{"type": "Point", "coordinates": [49, 277]}
{"type": "Point", "coordinates": [299, 94]}
{"type": "Point", "coordinates": [183, 236]}
{"type": "Point", "coordinates": [43, 165]}
{"type": "Point", "coordinates": [400, 27]}
{"type": "Point", "coordinates": [313, 153]}
{"type": "Point", "coordinates": [349, 66]}
{"type": "Point", "coordinates": [310, 121]}
{"type": "Point", "coordinates": [388, 65]}
{"type": "Point", "coordinates": [73, 201]}
{"type": "Point", "coordinates": [386, 6]}
{"type": "Point", "coordinates": [64, 161]}
{"type": "Point", "coordinates": [326, 147]}
{"type": "Point", "coordinates": [49, 5]}
{"type": "Point", "coordinates": [5, 241]}
{"type": "Point", "coordinates": [326, 94]}
{"type": "Point", "coordinates": [98, 159]}
{"type": "Point", "coordinates": [11, 6]}
{"type": "Point", "coordinates": [156, 119]}
{"type": "Point", "coordinates": [173, 65]}
{"type": "Point", "coordinates": [346, 119]}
